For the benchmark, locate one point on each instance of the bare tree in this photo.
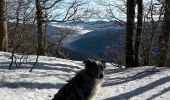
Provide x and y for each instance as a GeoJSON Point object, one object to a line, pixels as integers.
{"type": "Point", "coordinates": [3, 27]}
{"type": "Point", "coordinates": [139, 31]}
{"type": "Point", "coordinates": [39, 16]}
{"type": "Point", "coordinates": [20, 13]}
{"type": "Point", "coordinates": [43, 8]}
{"type": "Point", "coordinates": [130, 31]}
{"type": "Point", "coordinates": [151, 28]}
{"type": "Point", "coordinates": [164, 37]}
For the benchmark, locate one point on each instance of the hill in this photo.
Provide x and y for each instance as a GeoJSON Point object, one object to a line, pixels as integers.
{"type": "Point", "coordinates": [96, 41]}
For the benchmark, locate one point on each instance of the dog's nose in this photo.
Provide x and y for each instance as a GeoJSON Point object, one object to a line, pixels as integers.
{"type": "Point", "coordinates": [101, 76]}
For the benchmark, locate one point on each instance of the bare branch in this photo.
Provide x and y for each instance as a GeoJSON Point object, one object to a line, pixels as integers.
{"type": "Point", "coordinates": [57, 1]}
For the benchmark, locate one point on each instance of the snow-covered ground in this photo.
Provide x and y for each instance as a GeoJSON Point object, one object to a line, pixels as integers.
{"type": "Point", "coordinates": [50, 74]}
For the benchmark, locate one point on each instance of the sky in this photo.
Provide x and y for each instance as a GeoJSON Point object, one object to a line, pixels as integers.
{"type": "Point", "coordinates": [106, 11]}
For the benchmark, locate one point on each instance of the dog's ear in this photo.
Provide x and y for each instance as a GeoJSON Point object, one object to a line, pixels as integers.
{"type": "Point", "coordinates": [87, 63]}
{"type": "Point", "coordinates": [103, 63]}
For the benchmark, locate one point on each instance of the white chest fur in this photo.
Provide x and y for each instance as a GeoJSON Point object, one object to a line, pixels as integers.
{"type": "Point", "coordinates": [95, 89]}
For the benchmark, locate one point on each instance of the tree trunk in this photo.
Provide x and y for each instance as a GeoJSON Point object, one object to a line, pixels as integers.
{"type": "Point", "coordinates": [139, 31]}
{"type": "Point", "coordinates": [40, 41]}
{"type": "Point", "coordinates": [130, 31]}
{"type": "Point", "coordinates": [164, 37]}
{"type": "Point", "coordinates": [3, 27]}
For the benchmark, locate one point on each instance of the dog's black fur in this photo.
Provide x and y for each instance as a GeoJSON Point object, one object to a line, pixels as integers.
{"type": "Point", "coordinates": [83, 86]}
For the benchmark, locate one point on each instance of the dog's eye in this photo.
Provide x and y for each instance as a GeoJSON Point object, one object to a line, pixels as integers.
{"type": "Point", "coordinates": [97, 69]}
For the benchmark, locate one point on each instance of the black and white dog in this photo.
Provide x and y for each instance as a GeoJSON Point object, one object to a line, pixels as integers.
{"type": "Point", "coordinates": [84, 85]}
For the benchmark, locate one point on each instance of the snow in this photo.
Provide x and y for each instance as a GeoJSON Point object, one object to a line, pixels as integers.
{"type": "Point", "coordinates": [51, 73]}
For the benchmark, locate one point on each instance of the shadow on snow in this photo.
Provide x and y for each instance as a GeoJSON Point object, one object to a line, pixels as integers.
{"type": "Point", "coordinates": [30, 85]}
{"type": "Point", "coordinates": [122, 80]}
{"type": "Point", "coordinates": [140, 90]}
{"type": "Point", "coordinates": [42, 66]}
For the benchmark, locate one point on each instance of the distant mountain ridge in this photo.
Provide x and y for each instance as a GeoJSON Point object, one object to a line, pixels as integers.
{"type": "Point", "coordinates": [92, 38]}
{"type": "Point", "coordinates": [96, 41]}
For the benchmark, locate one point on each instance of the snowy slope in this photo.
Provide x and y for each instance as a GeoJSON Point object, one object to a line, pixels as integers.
{"type": "Point", "coordinates": [51, 74]}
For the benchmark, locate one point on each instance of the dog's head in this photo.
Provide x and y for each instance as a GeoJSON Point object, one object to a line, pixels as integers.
{"type": "Point", "coordinates": [95, 68]}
